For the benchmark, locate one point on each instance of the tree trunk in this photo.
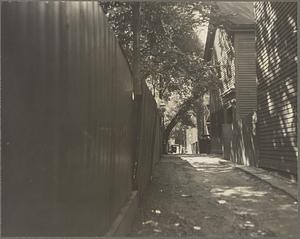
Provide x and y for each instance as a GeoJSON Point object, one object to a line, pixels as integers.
{"type": "Point", "coordinates": [136, 25]}
{"type": "Point", "coordinates": [182, 110]}
{"type": "Point", "coordinates": [200, 118]}
{"type": "Point", "coordinates": [160, 91]}
{"type": "Point", "coordinates": [153, 84]}
{"type": "Point", "coordinates": [137, 88]}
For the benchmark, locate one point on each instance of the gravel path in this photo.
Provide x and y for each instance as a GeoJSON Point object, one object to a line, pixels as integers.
{"type": "Point", "coordinates": [206, 196]}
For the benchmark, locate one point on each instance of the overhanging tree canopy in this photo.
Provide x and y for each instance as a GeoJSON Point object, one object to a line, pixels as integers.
{"type": "Point", "coordinates": [170, 53]}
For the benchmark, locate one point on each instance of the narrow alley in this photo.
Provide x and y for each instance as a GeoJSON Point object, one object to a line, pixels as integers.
{"type": "Point", "coordinates": [207, 196]}
{"type": "Point", "coordinates": [149, 118]}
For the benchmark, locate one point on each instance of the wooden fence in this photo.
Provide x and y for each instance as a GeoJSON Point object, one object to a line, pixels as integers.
{"type": "Point", "coordinates": [240, 141]}
{"type": "Point", "coordinates": [149, 140]}
{"type": "Point", "coordinates": [67, 121]}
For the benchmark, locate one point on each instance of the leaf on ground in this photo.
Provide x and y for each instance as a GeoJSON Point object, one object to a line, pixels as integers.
{"type": "Point", "coordinates": [156, 211]}
{"type": "Point", "coordinates": [260, 232]}
{"type": "Point", "coordinates": [147, 222]}
{"type": "Point", "coordinates": [155, 224]}
{"type": "Point", "coordinates": [248, 224]}
{"type": "Point", "coordinates": [186, 195]}
{"type": "Point", "coordinates": [197, 228]}
{"type": "Point", "coordinates": [222, 201]}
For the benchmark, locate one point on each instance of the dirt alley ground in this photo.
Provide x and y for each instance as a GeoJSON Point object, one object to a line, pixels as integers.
{"type": "Point", "coordinates": [207, 196]}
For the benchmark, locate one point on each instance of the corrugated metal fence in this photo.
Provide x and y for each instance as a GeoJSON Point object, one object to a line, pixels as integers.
{"type": "Point", "coordinates": [67, 121]}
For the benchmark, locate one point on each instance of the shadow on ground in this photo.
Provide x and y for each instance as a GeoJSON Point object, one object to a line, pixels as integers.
{"type": "Point", "coordinates": [206, 196]}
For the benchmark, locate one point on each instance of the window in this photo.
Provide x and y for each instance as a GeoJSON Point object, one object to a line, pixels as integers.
{"type": "Point", "coordinates": [228, 69]}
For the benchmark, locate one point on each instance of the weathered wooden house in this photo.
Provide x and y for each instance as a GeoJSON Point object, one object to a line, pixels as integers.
{"type": "Point", "coordinates": [232, 48]}
{"type": "Point", "coordinates": [277, 85]}
{"type": "Point", "coordinates": [253, 115]}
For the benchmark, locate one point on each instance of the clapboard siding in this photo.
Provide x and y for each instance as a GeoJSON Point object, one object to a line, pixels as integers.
{"type": "Point", "coordinates": [222, 55]}
{"type": "Point", "coordinates": [277, 83]}
{"type": "Point", "coordinates": [244, 44]}
{"type": "Point", "coordinates": [284, 165]}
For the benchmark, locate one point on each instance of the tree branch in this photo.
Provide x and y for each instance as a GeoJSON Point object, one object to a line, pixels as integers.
{"type": "Point", "coordinates": [186, 105]}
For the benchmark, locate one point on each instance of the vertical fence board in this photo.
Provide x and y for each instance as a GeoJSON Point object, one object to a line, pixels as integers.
{"type": "Point", "coordinates": [241, 141]}
{"type": "Point", "coordinates": [147, 146]}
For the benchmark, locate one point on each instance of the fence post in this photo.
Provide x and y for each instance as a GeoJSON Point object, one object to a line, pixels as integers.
{"type": "Point", "coordinates": [136, 128]}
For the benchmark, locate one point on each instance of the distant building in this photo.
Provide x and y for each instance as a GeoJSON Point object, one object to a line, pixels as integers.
{"type": "Point", "coordinates": [192, 146]}
{"type": "Point", "coordinates": [194, 135]}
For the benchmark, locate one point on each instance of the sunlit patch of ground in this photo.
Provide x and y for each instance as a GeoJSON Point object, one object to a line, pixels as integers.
{"type": "Point", "coordinates": [238, 191]}
{"type": "Point", "coordinates": [206, 196]}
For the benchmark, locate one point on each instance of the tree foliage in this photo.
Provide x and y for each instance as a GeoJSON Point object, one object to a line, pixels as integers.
{"type": "Point", "coordinates": [171, 54]}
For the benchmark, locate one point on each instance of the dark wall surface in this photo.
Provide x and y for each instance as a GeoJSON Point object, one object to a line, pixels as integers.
{"type": "Point", "coordinates": [66, 120]}
{"type": "Point", "coordinates": [277, 84]}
